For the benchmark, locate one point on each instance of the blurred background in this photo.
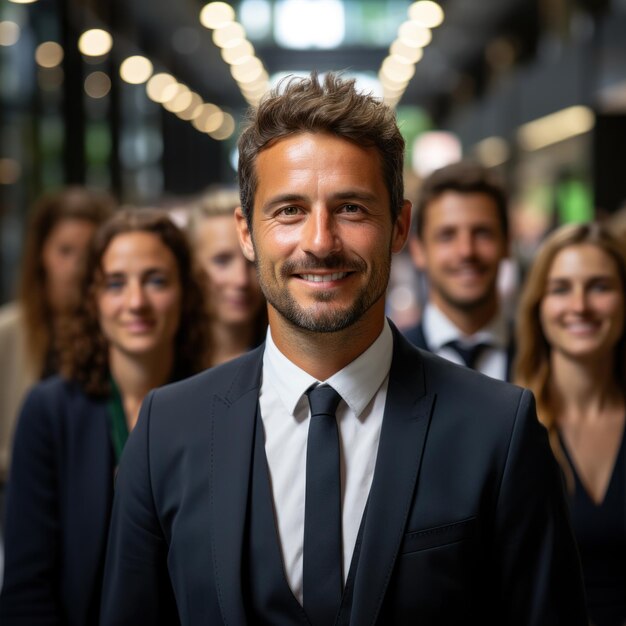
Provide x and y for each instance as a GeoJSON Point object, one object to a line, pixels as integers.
{"type": "Point", "coordinates": [144, 98]}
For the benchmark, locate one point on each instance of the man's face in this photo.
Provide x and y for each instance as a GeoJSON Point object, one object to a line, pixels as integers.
{"type": "Point", "coordinates": [461, 248]}
{"type": "Point", "coordinates": [322, 233]}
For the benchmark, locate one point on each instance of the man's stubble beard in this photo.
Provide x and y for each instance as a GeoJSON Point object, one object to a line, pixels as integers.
{"type": "Point", "coordinates": [328, 320]}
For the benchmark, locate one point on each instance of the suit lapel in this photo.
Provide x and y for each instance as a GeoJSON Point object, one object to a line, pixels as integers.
{"type": "Point", "coordinates": [405, 424]}
{"type": "Point", "coordinates": [233, 418]}
{"type": "Point", "coordinates": [92, 487]}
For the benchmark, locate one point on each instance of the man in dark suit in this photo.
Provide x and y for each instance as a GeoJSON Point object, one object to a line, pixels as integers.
{"type": "Point", "coordinates": [459, 241]}
{"type": "Point", "coordinates": [336, 474]}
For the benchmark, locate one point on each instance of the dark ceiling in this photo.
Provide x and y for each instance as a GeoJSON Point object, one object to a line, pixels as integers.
{"type": "Point", "coordinates": [454, 59]}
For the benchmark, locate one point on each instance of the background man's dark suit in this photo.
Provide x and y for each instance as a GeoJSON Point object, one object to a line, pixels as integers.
{"type": "Point", "coordinates": [417, 337]}
{"type": "Point", "coordinates": [462, 526]}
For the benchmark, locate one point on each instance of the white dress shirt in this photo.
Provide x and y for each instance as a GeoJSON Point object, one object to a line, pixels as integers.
{"type": "Point", "coordinates": [285, 413]}
{"type": "Point", "coordinates": [492, 361]}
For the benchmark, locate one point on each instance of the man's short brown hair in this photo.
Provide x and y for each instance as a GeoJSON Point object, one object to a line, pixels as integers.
{"type": "Point", "coordinates": [462, 177]}
{"type": "Point", "coordinates": [334, 106]}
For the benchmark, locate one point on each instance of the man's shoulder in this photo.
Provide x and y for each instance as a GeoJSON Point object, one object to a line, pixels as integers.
{"type": "Point", "coordinates": [228, 381]}
{"type": "Point", "coordinates": [415, 334]}
{"type": "Point", "coordinates": [459, 388]}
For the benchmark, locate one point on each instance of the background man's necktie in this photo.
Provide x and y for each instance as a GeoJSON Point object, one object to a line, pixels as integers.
{"type": "Point", "coordinates": [322, 557]}
{"type": "Point", "coordinates": [469, 354]}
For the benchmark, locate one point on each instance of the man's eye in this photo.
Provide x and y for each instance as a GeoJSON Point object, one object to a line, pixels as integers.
{"type": "Point", "coordinates": [113, 284]}
{"type": "Point", "coordinates": [289, 211]}
{"type": "Point", "coordinates": [350, 208]}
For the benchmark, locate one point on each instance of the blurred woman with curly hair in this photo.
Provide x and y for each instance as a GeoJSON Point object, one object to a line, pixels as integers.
{"type": "Point", "coordinates": [140, 324]}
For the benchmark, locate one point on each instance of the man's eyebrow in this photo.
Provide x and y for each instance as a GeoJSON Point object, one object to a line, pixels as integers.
{"type": "Point", "coordinates": [350, 194]}
{"type": "Point", "coordinates": [355, 194]}
{"type": "Point", "coordinates": [281, 199]}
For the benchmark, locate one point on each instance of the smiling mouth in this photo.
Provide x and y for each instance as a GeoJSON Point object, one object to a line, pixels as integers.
{"type": "Point", "coordinates": [323, 278]}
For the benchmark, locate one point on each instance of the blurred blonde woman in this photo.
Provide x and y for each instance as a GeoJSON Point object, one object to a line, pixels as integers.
{"type": "Point", "coordinates": [572, 355]}
{"type": "Point", "coordinates": [237, 310]}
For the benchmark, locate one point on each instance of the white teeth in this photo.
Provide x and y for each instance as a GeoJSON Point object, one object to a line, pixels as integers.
{"type": "Point", "coordinates": [323, 278]}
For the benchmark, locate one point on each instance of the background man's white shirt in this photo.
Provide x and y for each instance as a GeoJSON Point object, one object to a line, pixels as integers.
{"type": "Point", "coordinates": [439, 330]}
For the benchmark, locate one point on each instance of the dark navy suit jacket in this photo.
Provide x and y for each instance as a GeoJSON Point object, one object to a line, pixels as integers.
{"type": "Point", "coordinates": [58, 508]}
{"type": "Point", "coordinates": [417, 337]}
{"type": "Point", "coordinates": [466, 520]}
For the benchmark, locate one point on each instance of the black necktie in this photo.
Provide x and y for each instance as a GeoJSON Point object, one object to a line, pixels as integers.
{"type": "Point", "coordinates": [469, 354]}
{"type": "Point", "coordinates": [322, 556]}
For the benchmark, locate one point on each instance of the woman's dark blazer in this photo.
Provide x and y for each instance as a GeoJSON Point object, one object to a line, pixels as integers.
{"type": "Point", "coordinates": [58, 507]}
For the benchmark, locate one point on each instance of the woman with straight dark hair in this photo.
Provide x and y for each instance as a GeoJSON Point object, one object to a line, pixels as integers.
{"type": "Point", "coordinates": [140, 324]}
{"type": "Point", "coordinates": [572, 354]}
{"type": "Point", "coordinates": [58, 234]}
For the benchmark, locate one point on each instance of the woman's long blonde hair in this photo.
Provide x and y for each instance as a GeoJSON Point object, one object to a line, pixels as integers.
{"type": "Point", "coordinates": [532, 363]}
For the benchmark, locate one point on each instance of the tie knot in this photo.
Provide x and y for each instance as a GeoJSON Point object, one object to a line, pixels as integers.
{"type": "Point", "coordinates": [469, 354]}
{"type": "Point", "coordinates": [323, 400]}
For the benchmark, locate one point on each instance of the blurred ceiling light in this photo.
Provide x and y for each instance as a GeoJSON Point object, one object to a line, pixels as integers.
{"type": "Point", "coordinates": [556, 127]}
{"type": "Point", "coordinates": [239, 53]}
{"type": "Point", "coordinates": [157, 86]}
{"type": "Point", "coordinates": [414, 34]}
{"type": "Point", "coordinates": [397, 70]}
{"type": "Point", "coordinates": [206, 111]}
{"type": "Point", "coordinates": [492, 151]}
{"type": "Point", "coordinates": [402, 50]}
{"type": "Point", "coordinates": [229, 35]}
{"type": "Point", "coordinates": [9, 33]}
{"type": "Point", "coordinates": [254, 89]}
{"type": "Point", "coordinates": [213, 121]}
{"type": "Point", "coordinates": [10, 171]}
{"type": "Point", "coordinates": [247, 72]}
{"type": "Point", "coordinates": [181, 102]}
{"type": "Point", "coordinates": [435, 149]}
{"type": "Point", "coordinates": [23, 1]}
{"type": "Point", "coordinates": [97, 85]}
{"type": "Point", "coordinates": [303, 24]}
{"type": "Point", "coordinates": [225, 129]}
{"type": "Point", "coordinates": [427, 13]}
{"type": "Point", "coordinates": [95, 42]}
{"type": "Point", "coordinates": [392, 85]}
{"type": "Point", "coordinates": [49, 54]}
{"type": "Point", "coordinates": [256, 17]}
{"type": "Point", "coordinates": [192, 109]}
{"type": "Point", "coordinates": [171, 91]}
{"type": "Point", "coordinates": [136, 69]}
{"type": "Point", "coordinates": [178, 98]}
{"type": "Point", "coordinates": [216, 14]}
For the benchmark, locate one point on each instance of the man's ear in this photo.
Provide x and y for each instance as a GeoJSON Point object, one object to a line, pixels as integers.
{"type": "Point", "coordinates": [401, 227]}
{"type": "Point", "coordinates": [416, 249]}
{"type": "Point", "coordinates": [244, 235]}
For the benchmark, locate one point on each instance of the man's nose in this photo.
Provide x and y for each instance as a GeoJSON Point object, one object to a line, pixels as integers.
{"type": "Point", "coordinates": [319, 235]}
{"type": "Point", "coordinates": [466, 245]}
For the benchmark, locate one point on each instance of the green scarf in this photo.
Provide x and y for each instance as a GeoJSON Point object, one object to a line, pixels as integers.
{"type": "Point", "coordinates": [117, 421]}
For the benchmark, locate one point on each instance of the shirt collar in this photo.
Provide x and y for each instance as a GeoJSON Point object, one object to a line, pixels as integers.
{"type": "Point", "coordinates": [439, 330]}
{"type": "Point", "coordinates": [357, 382]}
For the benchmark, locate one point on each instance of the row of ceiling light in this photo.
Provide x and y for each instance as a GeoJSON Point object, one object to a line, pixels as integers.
{"type": "Point", "coordinates": [230, 36]}
{"type": "Point", "coordinates": [406, 51]}
{"type": "Point", "coordinates": [162, 88]}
